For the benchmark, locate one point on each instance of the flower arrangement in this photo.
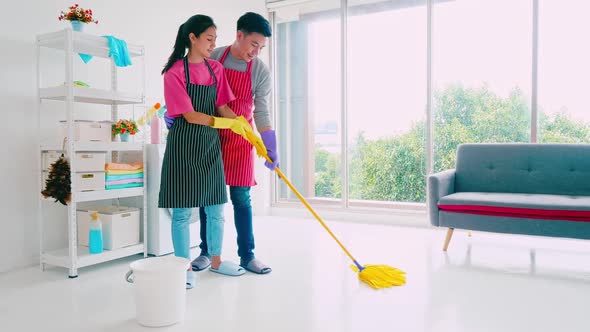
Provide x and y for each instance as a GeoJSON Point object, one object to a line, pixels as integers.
{"type": "Point", "coordinates": [125, 126]}
{"type": "Point", "coordinates": [77, 13]}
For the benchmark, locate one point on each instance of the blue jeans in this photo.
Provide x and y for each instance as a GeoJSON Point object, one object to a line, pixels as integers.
{"type": "Point", "coordinates": [240, 198]}
{"type": "Point", "coordinates": [181, 233]}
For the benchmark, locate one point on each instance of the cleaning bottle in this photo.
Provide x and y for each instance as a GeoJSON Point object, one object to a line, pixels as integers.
{"type": "Point", "coordinates": [95, 235]}
{"type": "Point", "coordinates": [155, 129]}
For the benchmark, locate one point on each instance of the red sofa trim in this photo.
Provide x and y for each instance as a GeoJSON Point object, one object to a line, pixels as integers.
{"type": "Point", "coordinates": [503, 211]}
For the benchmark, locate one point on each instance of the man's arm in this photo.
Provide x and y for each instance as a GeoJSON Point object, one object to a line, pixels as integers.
{"type": "Point", "coordinates": [262, 88]}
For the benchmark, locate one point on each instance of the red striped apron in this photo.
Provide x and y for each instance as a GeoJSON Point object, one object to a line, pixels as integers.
{"type": "Point", "coordinates": [237, 153]}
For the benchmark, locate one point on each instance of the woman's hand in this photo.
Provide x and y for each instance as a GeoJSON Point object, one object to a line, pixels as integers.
{"type": "Point", "coordinates": [236, 125]}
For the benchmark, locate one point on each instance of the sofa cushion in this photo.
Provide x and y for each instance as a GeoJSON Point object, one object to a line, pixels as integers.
{"type": "Point", "coordinates": [534, 206]}
{"type": "Point", "coordinates": [560, 169]}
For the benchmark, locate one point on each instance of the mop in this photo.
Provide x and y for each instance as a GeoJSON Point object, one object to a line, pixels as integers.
{"type": "Point", "coordinates": [376, 276]}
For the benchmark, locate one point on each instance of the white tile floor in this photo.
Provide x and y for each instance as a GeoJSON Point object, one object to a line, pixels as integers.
{"type": "Point", "coordinates": [489, 282]}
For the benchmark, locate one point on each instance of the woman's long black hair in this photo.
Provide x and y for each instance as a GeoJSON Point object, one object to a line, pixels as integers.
{"type": "Point", "coordinates": [197, 24]}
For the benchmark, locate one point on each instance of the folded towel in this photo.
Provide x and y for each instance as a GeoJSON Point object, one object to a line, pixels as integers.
{"type": "Point", "coordinates": [118, 172]}
{"type": "Point", "coordinates": [123, 177]}
{"type": "Point", "coordinates": [124, 167]}
{"type": "Point", "coordinates": [123, 186]}
{"type": "Point", "coordinates": [126, 181]}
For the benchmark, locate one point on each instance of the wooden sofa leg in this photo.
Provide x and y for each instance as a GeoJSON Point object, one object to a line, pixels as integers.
{"type": "Point", "coordinates": [448, 238]}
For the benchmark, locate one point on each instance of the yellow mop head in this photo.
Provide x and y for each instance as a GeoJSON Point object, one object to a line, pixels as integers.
{"type": "Point", "coordinates": [380, 276]}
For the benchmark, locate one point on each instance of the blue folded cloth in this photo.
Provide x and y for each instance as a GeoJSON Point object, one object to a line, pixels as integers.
{"type": "Point", "coordinates": [123, 186]}
{"type": "Point", "coordinates": [85, 57]}
{"type": "Point", "coordinates": [123, 177]}
{"type": "Point", "coordinates": [117, 50]}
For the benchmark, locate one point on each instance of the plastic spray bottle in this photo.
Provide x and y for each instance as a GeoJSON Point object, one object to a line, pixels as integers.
{"type": "Point", "coordinates": [95, 235]}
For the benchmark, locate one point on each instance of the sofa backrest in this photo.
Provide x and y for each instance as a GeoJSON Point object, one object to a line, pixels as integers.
{"type": "Point", "coordinates": [524, 168]}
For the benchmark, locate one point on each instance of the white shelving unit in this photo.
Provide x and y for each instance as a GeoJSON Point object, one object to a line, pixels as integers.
{"type": "Point", "coordinates": [72, 42]}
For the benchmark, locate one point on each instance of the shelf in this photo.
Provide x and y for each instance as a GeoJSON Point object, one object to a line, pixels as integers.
{"type": "Point", "coordinates": [84, 43]}
{"type": "Point", "coordinates": [91, 95]}
{"type": "Point", "coordinates": [95, 146]}
{"type": "Point", "coordinates": [61, 257]}
{"type": "Point", "coordinates": [97, 195]}
{"type": "Point", "coordinates": [69, 44]}
{"type": "Point", "coordinates": [88, 196]}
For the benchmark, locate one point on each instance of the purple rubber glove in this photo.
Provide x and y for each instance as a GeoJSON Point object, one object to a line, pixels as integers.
{"type": "Point", "coordinates": [269, 138]}
{"type": "Point", "coordinates": [169, 120]}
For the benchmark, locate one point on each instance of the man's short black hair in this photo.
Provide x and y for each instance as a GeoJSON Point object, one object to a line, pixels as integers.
{"type": "Point", "coordinates": [254, 23]}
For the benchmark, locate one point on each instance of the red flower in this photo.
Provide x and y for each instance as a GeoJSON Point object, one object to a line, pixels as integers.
{"type": "Point", "coordinates": [77, 13]}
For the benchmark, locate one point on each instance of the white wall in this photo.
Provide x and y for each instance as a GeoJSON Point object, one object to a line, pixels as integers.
{"type": "Point", "coordinates": [151, 23]}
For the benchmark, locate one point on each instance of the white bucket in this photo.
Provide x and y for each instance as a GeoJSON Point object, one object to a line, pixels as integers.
{"type": "Point", "coordinates": [160, 289]}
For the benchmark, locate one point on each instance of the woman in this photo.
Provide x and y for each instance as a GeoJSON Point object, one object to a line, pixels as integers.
{"type": "Point", "coordinates": [195, 90]}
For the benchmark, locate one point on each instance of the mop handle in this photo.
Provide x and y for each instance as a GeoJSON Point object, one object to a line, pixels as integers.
{"type": "Point", "coordinates": [282, 176]}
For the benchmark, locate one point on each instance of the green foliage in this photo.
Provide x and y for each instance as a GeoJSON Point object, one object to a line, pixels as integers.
{"type": "Point", "coordinates": [376, 166]}
{"type": "Point", "coordinates": [561, 129]}
{"type": "Point", "coordinates": [476, 116]}
{"type": "Point", "coordinates": [327, 174]}
{"type": "Point", "coordinates": [393, 168]}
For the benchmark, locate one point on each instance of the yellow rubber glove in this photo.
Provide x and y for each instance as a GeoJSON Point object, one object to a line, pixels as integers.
{"type": "Point", "coordinates": [233, 124]}
{"type": "Point", "coordinates": [245, 122]}
{"type": "Point", "coordinates": [242, 127]}
{"type": "Point", "coordinates": [253, 138]}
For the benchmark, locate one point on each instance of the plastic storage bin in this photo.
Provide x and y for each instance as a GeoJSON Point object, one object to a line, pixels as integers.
{"type": "Point", "coordinates": [85, 161]}
{"type": "Point", "coordinates": [120, 226]}
{"type": "Point", "coordinates": [89, 181]}
{"type": "Point", "coordinates": [89, 131]}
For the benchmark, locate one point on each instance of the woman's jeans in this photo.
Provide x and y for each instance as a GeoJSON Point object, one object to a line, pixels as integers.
{"type": "Point", "coordinates": [181, 234]}
{"type": "Point", "coordinates": [240, 198]}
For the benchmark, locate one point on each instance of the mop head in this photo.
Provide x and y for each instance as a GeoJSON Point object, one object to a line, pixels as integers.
{"type": "Point", "coordinates": [381, 276]}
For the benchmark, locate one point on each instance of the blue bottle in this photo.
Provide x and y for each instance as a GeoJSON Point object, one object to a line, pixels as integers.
{"type": "Point", "coordinates": [95, 235]}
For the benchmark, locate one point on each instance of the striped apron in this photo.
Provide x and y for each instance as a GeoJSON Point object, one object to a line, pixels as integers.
{"type": "Point", "coordinates": [238, 154]}
{"type": "Point", "coordinates": [192, 170]}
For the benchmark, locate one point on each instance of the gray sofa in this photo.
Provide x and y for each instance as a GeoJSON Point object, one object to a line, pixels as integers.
{"type": "Point", "coordinates": [534, 189]}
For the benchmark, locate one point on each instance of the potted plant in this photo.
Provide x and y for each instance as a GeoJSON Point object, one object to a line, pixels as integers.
{"type": "Point", "coordinates": [124, 128]}
{"type": "Point", "coordinates": [78, 16]}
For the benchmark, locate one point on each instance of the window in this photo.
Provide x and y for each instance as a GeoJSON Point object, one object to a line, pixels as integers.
{"type": "Point", "coordinates": [564, 68]}
{"type": "Point", "coordinates": [370, 93]}
{"type": "Point", "coordinates": [309, 100]}
{"type": "Point", "coordinates": [481, 74]}
{"type": "Point", "coordinates": [386, 101]}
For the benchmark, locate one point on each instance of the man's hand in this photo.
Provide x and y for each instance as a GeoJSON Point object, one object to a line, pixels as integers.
{"type": "Point", "coordinates": [269, 138]}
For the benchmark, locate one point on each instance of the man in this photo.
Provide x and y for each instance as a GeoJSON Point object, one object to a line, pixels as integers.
{"type": "Point", "coordinates": [250, 81]}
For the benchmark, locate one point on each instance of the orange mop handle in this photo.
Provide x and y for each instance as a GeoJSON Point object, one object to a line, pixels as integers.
{"type": "Point", "coordinates": [284, 178]}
